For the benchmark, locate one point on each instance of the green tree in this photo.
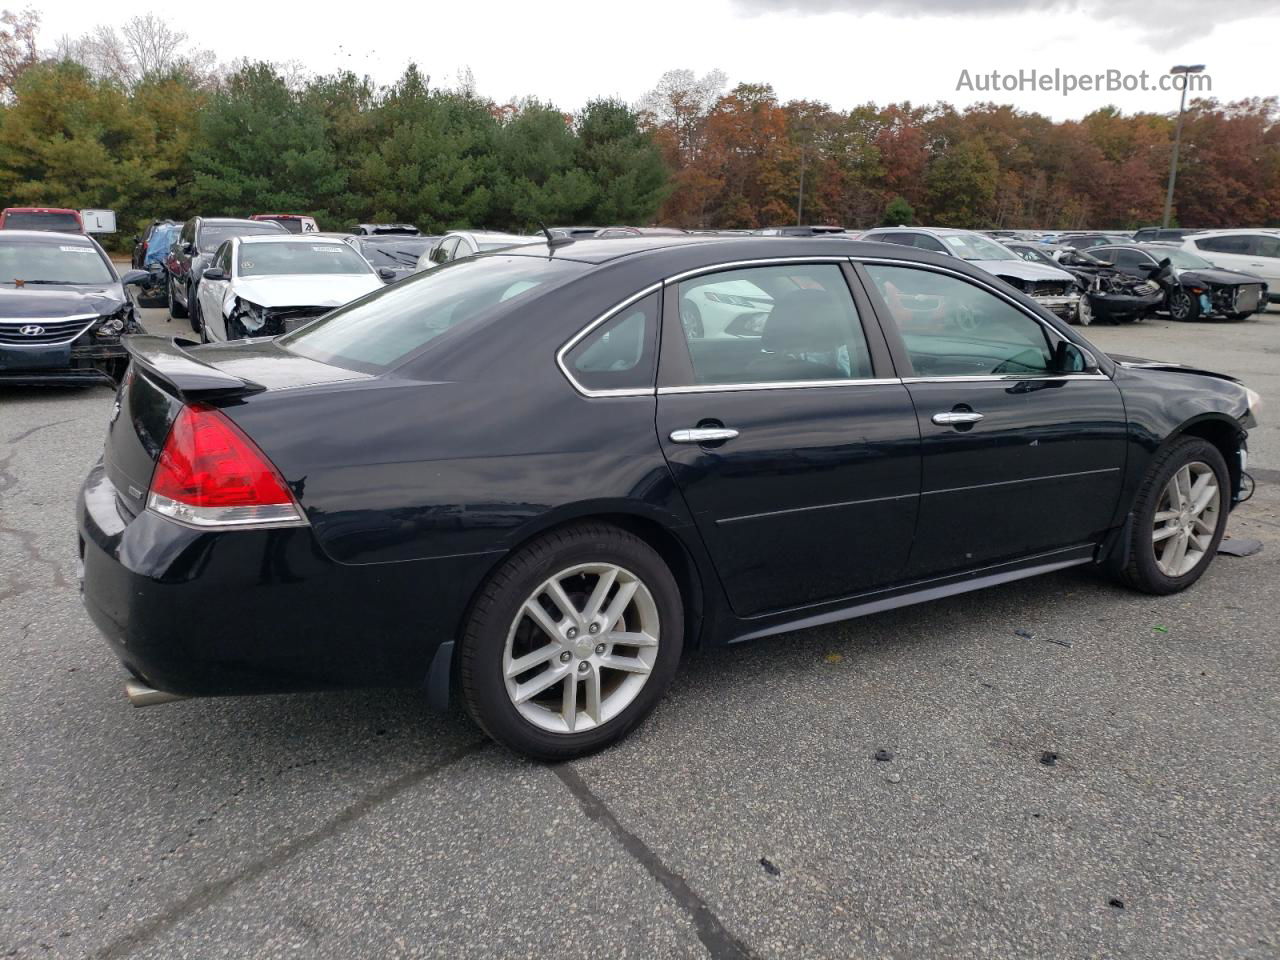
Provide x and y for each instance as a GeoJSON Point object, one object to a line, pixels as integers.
{"type": "Point", "coordinates": [263, 148]}
{"type": "Point", "coordinates": [71, 141]}
{"type": "Point", "coordinates": [623, 164]}
{"type": "Point", "coordinates": [962, 185]}
{"type": "Point", "coordinates": [898, 213]}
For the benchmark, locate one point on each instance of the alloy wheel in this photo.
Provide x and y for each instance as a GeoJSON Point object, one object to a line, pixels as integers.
{"type": "Point", "coordinates": [1186, 519]}
{"type": "Point", "coordinates": [1180, 305]}
{"type": "Point", "coordinates": [581, 647]}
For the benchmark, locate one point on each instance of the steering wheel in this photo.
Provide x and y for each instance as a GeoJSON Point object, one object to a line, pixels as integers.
{"type": "Point", "coordinates": [691, 317]}
{"type": "Point", "coordinates": [964, 317]}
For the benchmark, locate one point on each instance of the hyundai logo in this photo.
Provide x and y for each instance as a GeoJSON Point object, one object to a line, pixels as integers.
{"type": "Point", "coordinates": [31, 330]}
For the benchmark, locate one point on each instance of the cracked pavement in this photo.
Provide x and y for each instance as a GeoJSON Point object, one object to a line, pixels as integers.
{"type": "Point", "coordinates": [747, 818]}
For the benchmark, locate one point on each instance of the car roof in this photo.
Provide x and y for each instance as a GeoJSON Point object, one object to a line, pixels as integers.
{"type": "Point", "coordinates": [712, 249]}
{"type": "Point", "coordinates": [289, 238]}
{"type": "Point", "coordinates": [39, 210]}
{"type": "Point", "coordinates": [242, 220]}
{"type": "Point", "coordinates": [46, 236]}
{"type": "Point", "coordinates": [494, 235]}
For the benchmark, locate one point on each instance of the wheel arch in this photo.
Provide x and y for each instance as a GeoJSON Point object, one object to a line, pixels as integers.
{"type": "Point", "coordinates": [654, 527]}
{"type": "Point", "coordinates": [1221, 431]}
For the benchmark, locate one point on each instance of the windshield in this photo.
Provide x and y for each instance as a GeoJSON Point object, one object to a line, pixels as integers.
{"type": "Point", "coordinates": [1035, 256]}
{"type": "Point", "coordinates": [64, 222]}
{"type": "Point", "coordinates": [1182, 259]}
{"type": "Point", "coordinates": [970, 246]}
{"type": "Point", "coordinates": [52, 263]}
{"type": "Point", "coordinates": [277, 259]}
{"type": "Point", "coordinates": [212, 234]}
{"type": "Point", "coordinates": [379, 331]}
{"type": "Point", "coordinates": [394, 253]}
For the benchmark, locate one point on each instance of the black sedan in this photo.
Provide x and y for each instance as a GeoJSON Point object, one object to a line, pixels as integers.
{"type": "Point", "coordinates": [520, 477]}
{"type": "Point", "coordinates": [63, 310]}
{"type": "Point", "coordinates": [1193, 287]}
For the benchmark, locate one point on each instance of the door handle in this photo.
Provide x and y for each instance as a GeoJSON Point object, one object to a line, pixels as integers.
{"type": "Point", "coordinates": [953, 417]}
{"type": "Point", "coordinates": [703, 435]}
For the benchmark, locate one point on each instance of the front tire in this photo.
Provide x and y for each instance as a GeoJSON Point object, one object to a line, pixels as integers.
{"type": "Point", "coordinates": [572, 642]}
{"type": "Point", "coordinates": [1179, 518]}
{"type": "Point", "coordinates": [1183, 306]}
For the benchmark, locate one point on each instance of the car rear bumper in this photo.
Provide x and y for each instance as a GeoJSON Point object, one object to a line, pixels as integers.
{"type": "Point", "coordinates": [205, 613]}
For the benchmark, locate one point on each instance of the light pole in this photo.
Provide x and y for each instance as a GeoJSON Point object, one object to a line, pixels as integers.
{"type": "Point", "coordinates": [1177, 136]}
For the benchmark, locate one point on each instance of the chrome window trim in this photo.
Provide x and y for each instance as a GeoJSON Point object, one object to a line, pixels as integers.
{"type": "Point", "coordinates": [20, 322]}
{"type": "Point", "coordinates": [777, 385]}
{"type": "Point", "coordinates": [1008, 378]}
{"type": "Point", "coordinates": [977, 281]}
{"type": "Point", "coordinates": [586, 331]}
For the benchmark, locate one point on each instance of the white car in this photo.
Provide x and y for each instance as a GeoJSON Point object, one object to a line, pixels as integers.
{"type": "Point", "coordinates": [1247, 251]}
{"type": "Point", "coordinates": [457, 244]}
{"type": "Point", "coordinates": [1051, 287]}
{"type": "Point", "coordinates": [263, 286]}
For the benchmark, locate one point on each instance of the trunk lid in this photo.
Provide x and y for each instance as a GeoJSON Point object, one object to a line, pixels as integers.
{"type": "Point", "coordinates": [166, 374]}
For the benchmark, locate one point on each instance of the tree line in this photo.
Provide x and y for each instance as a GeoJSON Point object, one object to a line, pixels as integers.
{"type": "Point", "coordinates": [141, 122]}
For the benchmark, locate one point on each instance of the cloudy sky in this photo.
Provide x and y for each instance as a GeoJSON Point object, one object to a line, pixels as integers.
{"type": "Point", "coordinates": [843, 52]}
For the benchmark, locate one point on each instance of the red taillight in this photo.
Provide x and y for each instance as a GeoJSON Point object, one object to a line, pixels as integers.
{"type": "Point", "coordinates": [210, 474]}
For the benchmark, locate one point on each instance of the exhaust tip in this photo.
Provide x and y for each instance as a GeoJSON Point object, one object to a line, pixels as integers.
{"type": "Point", "coordinates": [140, 695]}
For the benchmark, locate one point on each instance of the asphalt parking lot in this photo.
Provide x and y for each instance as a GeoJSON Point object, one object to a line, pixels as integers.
{"type": "Point", "coordinates": [748, 817]}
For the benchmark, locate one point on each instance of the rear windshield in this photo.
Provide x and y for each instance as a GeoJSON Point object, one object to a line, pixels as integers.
{"type": "Point", "coordinates": [65, 222]}
{"type": "Point", "coordinates": [394, 252]}
{"type": "Point", "coordinates": [52, 263]}
{"type": "Point", "coordinates": [212, 234]}
{"type": "Point", "coordinates": [278, 259]}
{"type": "Point", "coordinates": [379, 331]}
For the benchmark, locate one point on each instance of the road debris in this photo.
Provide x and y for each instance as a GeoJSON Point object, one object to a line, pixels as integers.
{"type": "Point", "coordinates": [884, 756]}
{"type": "Point", "coordinates": [1240, 547]}
{"type": "Point", "coordinates": [1049, 758]}
{"type": "Point", "coordinates": [1028, 635]}
{"type": "Point", "coordinates": [770, 867]}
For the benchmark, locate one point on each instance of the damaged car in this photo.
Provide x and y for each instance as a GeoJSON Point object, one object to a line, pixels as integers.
{"type": "Point", "coordinates": [1110, 295]}
{"type": "Point", "coordinates": [63, 310]}
{"type": "Point", "coordinates": [514, 481]}
{"type": "Point", "coordinates": [264, 286]}
{"type": "Point", "coordinates": [1193, 287]}
{"type": "Point", "coordinates": [1050, 286]}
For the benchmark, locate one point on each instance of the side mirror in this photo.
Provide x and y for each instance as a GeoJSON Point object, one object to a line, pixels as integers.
{"type": "Point", "coordinates": [186, 246]}
{"type": "Point", "coordinates": [215, 273]}
{"type": "Point", "coordinates": [386, 273]}
{"type": "Point", "coordinates": [1070, 358]}
{"type": "Point", "coordinates": [134, 277]}
{"type": "Point", "coordinates": [1165, 263]}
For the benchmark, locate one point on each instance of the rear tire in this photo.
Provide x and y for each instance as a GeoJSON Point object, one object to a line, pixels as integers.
{"type": "Point", "coordinates": [176, 310]}
{"type": "Point", "coordinates": [623, 681]}
{"type": "Point", "coordinates": [1164, 516]}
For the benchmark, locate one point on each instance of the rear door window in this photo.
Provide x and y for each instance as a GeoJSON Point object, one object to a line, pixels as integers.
{"type": "Point", "coordinates": [1238, 243]}
{"type": "Point", "coordinates": [776, 324]}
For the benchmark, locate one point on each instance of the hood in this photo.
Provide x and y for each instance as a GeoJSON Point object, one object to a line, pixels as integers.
{"type": "Point", "coordinates": [54, 302]}
{"type": "Point", "coordinates": [306, 290]}
{"type": "Point", "coordinates": [1218, 276]}
{"type": "Point", "coordinates": [1167, 366]}
{"type": "Point", "coordinates": [1022, 269]}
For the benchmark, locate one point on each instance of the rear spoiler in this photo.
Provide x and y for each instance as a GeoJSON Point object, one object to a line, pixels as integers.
{"type": "Point", "coordinates": [182, 373]}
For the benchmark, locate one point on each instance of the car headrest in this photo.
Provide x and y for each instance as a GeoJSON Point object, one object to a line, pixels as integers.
{"type": "Point", "coordinates": [806, 321]}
